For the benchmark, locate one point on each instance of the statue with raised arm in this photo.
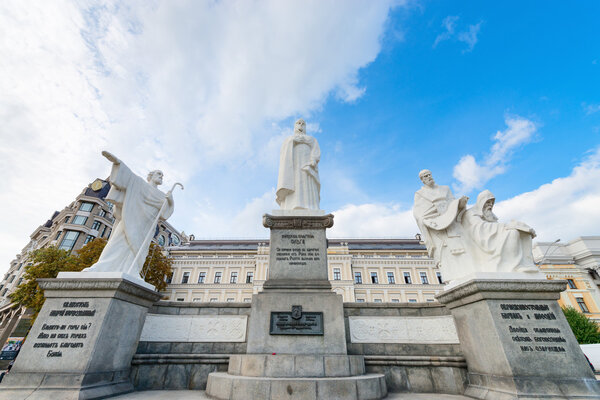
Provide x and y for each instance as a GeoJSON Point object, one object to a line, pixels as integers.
{"type": "Point", "coordinates": [438, 216]}
{"type": "Point", "coordinates": [498, 247]}
{"type": "Point", "coordinates": [298, 183]}
{"type": "Point", "coordinates": [138, 205]}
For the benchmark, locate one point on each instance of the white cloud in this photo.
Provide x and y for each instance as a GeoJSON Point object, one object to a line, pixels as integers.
{"type": "Point", "coordinates": [189, 87]}
{"type": "Point", "coordinates": [564, 208]}
{"type": "Point", "coordinates": [449, 23]}
{"type": "Point", "coordinates": [473, 175]}
{"type": "Point", "coordinates": [450, 32]}
{"type": "Point", "coordinates": [590, 108]}
{"type": "Point", "coordinates": [373, 221]}
{"type": "Point", "coordinates": [470, 36]}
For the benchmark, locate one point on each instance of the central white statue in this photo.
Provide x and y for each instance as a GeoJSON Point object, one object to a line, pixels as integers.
{"type": "Point", "coordinates": [298, 184]}
{"type": "Point", "coordinates": [138, 205]}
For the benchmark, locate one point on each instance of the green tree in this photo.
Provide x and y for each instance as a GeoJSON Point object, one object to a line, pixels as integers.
{"type": "Point", "coordinates": [156, 267]}
{"type": "Point", "coordinates": [585, 330]}
{"type": "Point", "coordinates": [49, 261]}
{"type": "Point", "coordinates": [45, 263]}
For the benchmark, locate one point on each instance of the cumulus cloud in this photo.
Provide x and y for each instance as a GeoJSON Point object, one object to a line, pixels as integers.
{"type": "Point", "coordinates": [473, 175]}
{"type": "Point", "coordinates": [373, 220]}
{"type": "Point", "coordinates": [564, 208]}
{"type": "Point", "coordinates": [469, 36]}
{"type": "Point", "coordinates": [189, 87]}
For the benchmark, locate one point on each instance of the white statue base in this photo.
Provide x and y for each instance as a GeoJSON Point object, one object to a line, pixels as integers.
{"type": "Point", "coordinates": [105, 275]}
{"type": "Point", "coordinates": [505, 276]}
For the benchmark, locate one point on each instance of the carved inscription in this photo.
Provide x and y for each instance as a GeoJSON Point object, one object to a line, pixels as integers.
{"type": "Point", "coordinates": [296, 250]}
{"type": "Point", "coordinates": [58, 335]}
{"type": "Point", "coordinates": [530, 330]}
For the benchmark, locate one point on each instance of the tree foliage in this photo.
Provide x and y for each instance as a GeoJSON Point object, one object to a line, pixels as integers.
{"type": "Point", "coordinates": [585, 330]}
{"type": "Point", "coordinates": [49, 261]}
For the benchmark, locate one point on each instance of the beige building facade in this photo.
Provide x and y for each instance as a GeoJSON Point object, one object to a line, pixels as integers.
{"type": "Point", "coordinates": [361, 270]}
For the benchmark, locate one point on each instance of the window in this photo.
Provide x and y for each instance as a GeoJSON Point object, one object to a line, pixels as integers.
{"type": "Point", "coordinates": [12, 278]}
{"type": "Point", "coordinates": [374, 278]}
{"type": "Point", "coordinates": [185, 278]}
{"type": "Point", "coordinates": [571, 284]}
{"type": "Point", "coordinates": [407, 278]}
{"type": "Point", "coordinates": [395, 300]}
{"type": "Point", "coordinates": [439, 277]}
{"type": "Point", "coordinates": [337, 275]}
{"type": "Point", "coordinates": [391, 279]}
{"type": "Point", "coordinates": [67, 220]}
{"type": "Point", "coordinates": [582, 305]}
{"type": "Point", "coordinates": [230, 299]}
{"type": "Point", "coordinates": [96, 225]}
{"type": "Point", "coordinates": [197, 299]}
{"type": "Point", "coordinates": [103, 231]}
{"type": "Point", "coordinates": [58, 235]}
{"type": "Point", "coordinates": [233, 278]}
{"type": "Point", "coordinates": [247, 300]}
{"type": "Point", "coordinates": [430, 300]}
{"type": "Point", "coordinates": [217, 278]}
{"type": "Point", "coordinates": [377, 300]}
{"type": "Point", "coordinates": [412, 300]}
{"type": "Point", "coordinates": [169, 278]}
{"type": "Point", "coordinates": [179, 299]}
{"type": "Point", "coordinates": [360, 300]}
{"type": "Point", "coordinates": [102, 213]}
{"type": "Point", "coordinates": [357, 278]}
{"type": "Point", "coordinates": [201, 277]}
{"type": "Point", "coordinates": [161, 240]}
{"type": "Point", "coordinates": [249, 277]}
{"type": "Point", "coordinates": [213, 299]}
{"type": "Point", "coordinates": [69, 240]}
{"type": "Point", "coordinates": [4, 291]}
{"type": "Point", "coordinates": [80, 220]}
{"type": "Point", "coordinates": [88, 239]}
{"type": "Point", "coordinates": [86, 206]}
{"type": "Point", "coordinates": [424, 280]}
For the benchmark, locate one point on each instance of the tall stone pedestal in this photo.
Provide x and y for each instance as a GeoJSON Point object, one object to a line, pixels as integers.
{"type": "Point", "coordinates": [82, 342]}
{"type": "Point", "coordinates": [517, 342]}
{"type": "Point", "coordinates": [296, 335]}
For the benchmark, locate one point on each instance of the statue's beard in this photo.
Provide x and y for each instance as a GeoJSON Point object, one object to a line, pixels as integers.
{"type": "Point", "coordinates": [489, 216]}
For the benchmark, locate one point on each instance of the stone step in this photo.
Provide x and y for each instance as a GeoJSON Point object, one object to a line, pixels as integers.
{"type": "Point", "coordinates": [296, 365]}
{"type": "Point", "coordinates": [231, 387]}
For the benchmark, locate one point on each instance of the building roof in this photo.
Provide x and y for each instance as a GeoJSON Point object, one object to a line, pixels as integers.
{"type": "Point", "coordinates": [252, 244]}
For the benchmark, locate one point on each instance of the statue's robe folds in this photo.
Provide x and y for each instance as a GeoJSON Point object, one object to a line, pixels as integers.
{"type": "Point", "coordinates": [444, 241]}
{"type": "Point", "coordinates": [498, 247]}
{"type": "Point", "coordinates": [136, 204]}
{"type": "Point", "coordinates": [298, 183]}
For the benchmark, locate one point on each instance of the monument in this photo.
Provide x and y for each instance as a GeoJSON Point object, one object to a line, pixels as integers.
{"type": "Point", "coordinates": [83, 340]}
{"type": "Point", "coordinates": [514, 336]}
{"type": "Point", "coordinates": [296, 335]}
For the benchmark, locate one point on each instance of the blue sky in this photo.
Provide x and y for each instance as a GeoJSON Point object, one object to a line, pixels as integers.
{"type": "Point", "coordinates": [503, 96]}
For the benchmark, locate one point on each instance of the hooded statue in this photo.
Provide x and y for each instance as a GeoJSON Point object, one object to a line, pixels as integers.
{"type": "Point", "coordinates": [498, 247]}
{"type": "Point", "coordinates": [298, 183]}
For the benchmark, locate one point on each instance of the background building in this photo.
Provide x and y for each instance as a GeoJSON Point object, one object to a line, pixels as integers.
{"type": "Point", "coordinates": [361, 270]}
{"type": "Point", "coordinates": [577, 262]}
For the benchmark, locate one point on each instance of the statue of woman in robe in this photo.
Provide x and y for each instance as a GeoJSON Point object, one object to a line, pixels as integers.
{"type": "Point", "coordinates": [136, 206]}
{"type": "Point", "coordinates": [298, 184]}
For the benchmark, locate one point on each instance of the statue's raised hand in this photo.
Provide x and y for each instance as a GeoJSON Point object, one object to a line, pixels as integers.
{"type": "Point", "coordinates": [111, 157]}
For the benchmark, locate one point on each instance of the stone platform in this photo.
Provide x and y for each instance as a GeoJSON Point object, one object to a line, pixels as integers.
{"type": "Point", "coordinates": [201, 395]}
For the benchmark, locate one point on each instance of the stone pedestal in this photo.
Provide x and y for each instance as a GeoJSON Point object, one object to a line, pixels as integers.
{"type": "Point", "coordinates": [82, 342]}
{"type": "Point", "coordinates": [296, 335]}
{"type": "Point", "coordinates": [517, 342]}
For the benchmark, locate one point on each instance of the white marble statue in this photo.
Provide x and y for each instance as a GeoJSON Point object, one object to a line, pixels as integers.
{"type": "Point", "coordinates": [136, 207]}
{"type": "Point", "coordinates": [436, 211]}
{"type": "Point", "coordinates": [498, 247]}
{"type": "Point", "coordinates": [468, 242]}
{"type": "Point", "coordinates": [298, 184]}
